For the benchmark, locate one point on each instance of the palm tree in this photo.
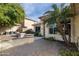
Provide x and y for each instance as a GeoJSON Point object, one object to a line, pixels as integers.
{"type": "Point", "coordinates": [58, 15]}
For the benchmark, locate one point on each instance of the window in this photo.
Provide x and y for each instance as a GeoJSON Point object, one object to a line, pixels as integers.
{"type": "Point", "coordinates": [55, 30]}
{"type": "Point", "coordinates": [37, 29]}
{"type": "Point", "coordinates": [52, 30]}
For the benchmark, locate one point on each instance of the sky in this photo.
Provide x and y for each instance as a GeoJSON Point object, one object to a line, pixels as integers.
{"type": "Point", "coordinates": [35, 10]}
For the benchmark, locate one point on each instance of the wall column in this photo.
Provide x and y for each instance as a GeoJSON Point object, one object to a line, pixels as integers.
{"type": "Point", "coordinates": [72, 30]}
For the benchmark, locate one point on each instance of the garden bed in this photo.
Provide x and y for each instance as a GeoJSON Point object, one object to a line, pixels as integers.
{"type": "Point", "coordinates": [65, 52]}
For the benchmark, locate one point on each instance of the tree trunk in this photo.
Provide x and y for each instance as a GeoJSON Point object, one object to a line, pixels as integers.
{"type": "Point", "coordinates": [69, 33]}
{"type": "Point", "coordinates": [61, 31]}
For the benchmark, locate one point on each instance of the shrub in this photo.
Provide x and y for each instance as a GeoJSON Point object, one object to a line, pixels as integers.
{"type": "Point", "coordinates": [50, 38]}
{"type": "Point", "coordinates": [30, 31]}
{"type": "Point", "coordinates": [4, 33]}
{"type": "Point", "coordinates": [37, 34]}
{"type": "Point", "coordinates": [64, 52]}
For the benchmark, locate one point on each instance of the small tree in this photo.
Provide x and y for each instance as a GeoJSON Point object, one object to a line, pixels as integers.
{"type": "Point", "coordinates": [10, 15]}
{"type": "Point", "coordinates": [58, 15]}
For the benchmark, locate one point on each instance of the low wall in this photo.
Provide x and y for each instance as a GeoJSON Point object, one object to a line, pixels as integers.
{"type": "Point", "coordinates": [56, 36]}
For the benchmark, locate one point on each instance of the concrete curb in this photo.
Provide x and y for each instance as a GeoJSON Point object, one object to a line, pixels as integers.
{"type": "Point", "coordinates": [14, 43]}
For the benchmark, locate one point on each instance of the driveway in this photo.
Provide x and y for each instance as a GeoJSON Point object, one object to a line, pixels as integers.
{"type": "Point", "coordinates": [38, 47]}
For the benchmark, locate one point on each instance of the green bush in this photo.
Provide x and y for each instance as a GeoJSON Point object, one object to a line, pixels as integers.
{"type": "Point", "coordinates": [37, 34]}
{"type": "Point", "coordinates": [29, 31]}
{"type": "Point", "coordinates": [4, 33]}
{"type": "Point", "coordinates": [64, 52]}
{"type": "Point", "coordinates": [11, 14]}
{"type": "Point", "coordinates": [50, 38]}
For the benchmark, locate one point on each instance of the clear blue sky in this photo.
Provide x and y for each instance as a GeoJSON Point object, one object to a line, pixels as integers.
{"type": "Point", "coordinates": [35, 10]}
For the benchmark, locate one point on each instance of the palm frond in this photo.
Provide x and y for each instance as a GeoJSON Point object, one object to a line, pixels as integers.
{"type": "Point", "coordinates": [62, 5]}
{"type": "Point", "coordinates": [54, 6]}
{"type": "Point", "coordinates": [50, 21]}
{"type": "Point", "coordinates": [48, 12]}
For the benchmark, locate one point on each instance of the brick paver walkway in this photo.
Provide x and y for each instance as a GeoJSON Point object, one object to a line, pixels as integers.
{"type": "Point", "coordinates": [38, 47]}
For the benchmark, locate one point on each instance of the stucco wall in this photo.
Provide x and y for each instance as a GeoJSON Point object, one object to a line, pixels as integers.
{"type": "Point", "coordinates": [47, 34]}
{"type": "Point", "coordinates": [76, 24]}
{"type": "Point", "coordinates": [41, 28]}
{"type": "Point", "coordinates": [56, 36]}
{"type": "Point", "coordinates": [29, 24]}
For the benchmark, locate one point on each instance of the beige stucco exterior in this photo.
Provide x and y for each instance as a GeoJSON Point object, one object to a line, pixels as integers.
{"type": "Point", "coordinates": [75, 29]}
{"type": "Point", "coordinates": [75, 23]}
{"type": "Point", "coordinates": [41, 25]}
{"type": "Point", "coordinates": [47, 34]}
{"type": "Point", "coordinates": [57, 36]}
{"type": "Point", "coordinates": [28, 24]}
